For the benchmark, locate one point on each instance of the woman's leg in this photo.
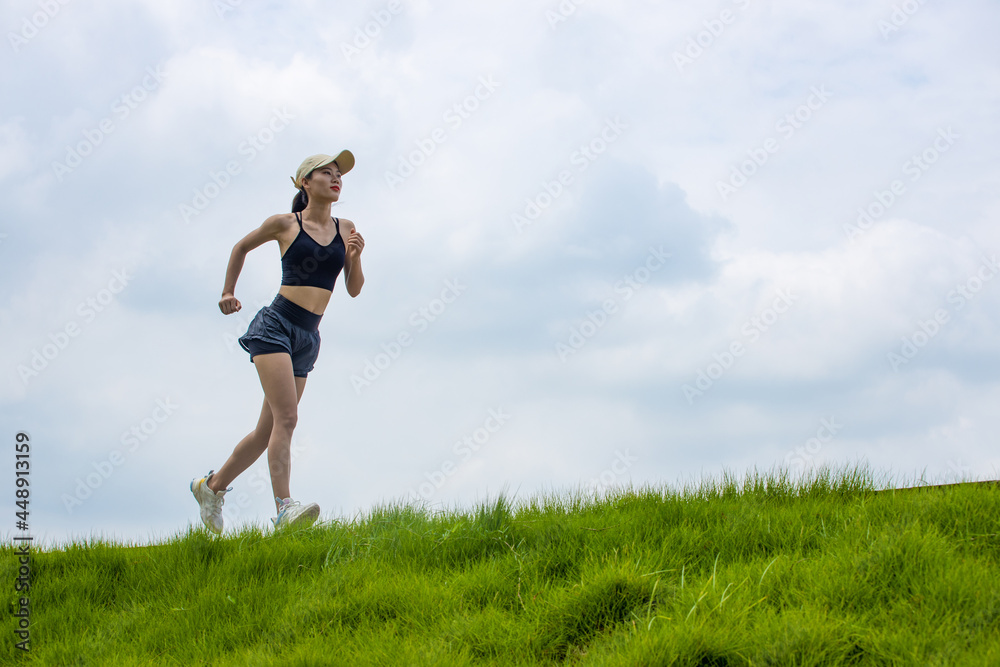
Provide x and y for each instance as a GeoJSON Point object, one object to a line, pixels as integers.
{"type": "Point", "coordinates": [281, 392]}
{"type": "Point", "coordinates": [256, 442]}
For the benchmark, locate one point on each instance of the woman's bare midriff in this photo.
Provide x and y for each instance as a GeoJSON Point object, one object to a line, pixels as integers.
{"type": "Point", "coordinates": [313, 299]}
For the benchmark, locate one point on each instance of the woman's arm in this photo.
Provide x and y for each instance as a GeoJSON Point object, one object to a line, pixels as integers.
{"type": "Point", "coordinates": [269, 230]}
{"type": "Point", "coordinates": [354, 276]}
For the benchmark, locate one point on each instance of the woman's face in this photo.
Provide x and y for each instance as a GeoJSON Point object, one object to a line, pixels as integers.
{"type": "Point", "coordinates": [324, 182]}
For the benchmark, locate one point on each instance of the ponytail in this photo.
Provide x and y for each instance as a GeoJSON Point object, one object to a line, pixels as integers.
{"type": "Point", "coordinates": [300, 202]}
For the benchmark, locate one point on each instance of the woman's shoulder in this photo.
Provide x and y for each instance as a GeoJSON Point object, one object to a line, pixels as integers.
{"type": "Point", "coordinates": [280, 222]}
{"type": "Point", "coordinates": [285, 217]}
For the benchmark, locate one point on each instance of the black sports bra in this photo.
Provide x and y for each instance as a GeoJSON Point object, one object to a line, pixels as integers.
{"type": "Point", "coordinates": [309, 263]}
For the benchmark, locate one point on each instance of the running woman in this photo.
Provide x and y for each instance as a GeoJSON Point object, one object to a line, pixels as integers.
{"type": "Point", "coordinates": [283, 338]}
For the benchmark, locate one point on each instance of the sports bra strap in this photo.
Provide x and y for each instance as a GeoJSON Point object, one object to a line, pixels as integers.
{"type": "Point", "coordinates": [336, 221]}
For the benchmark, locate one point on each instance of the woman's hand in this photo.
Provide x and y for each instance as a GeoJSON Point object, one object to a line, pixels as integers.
{"type": "Point", "coordinates": [229, 304]}
{"type": "Point", "coordinates": [355, 244]}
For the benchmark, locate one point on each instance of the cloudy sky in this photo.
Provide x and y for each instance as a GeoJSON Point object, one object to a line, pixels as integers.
{"type": "Point", "coordinates": [606, 243]}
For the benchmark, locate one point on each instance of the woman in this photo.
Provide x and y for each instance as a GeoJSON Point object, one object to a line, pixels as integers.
{"type": "Point", "coordinates": [283, 338]}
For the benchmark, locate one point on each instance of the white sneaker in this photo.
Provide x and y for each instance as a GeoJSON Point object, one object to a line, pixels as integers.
{"type": "Point", "coordinates": [294, 513]}
{"type": "Point", "coordinates": [210, 502]}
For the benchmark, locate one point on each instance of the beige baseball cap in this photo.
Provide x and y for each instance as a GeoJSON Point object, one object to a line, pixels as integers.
{"type": "Point", "coordinates": [344, 160]}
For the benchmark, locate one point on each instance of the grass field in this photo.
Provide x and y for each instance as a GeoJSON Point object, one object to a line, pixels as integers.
{"type": "Point", "coordinates": [829, 569]}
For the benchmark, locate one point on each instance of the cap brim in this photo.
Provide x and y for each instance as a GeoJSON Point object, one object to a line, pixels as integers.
{"type": "Point", "coordinates": [344, 160]}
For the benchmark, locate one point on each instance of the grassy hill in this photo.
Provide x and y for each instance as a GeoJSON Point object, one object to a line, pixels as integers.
{"type": "Point", "coordinates": [824, 570]}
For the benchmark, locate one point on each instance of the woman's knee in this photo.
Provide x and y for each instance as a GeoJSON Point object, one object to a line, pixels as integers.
{"type": "Point", "coordinates": [285, 420]}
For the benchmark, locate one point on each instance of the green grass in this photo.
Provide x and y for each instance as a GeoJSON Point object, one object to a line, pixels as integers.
{"type": "Point", "coordinates": [824, 570]}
